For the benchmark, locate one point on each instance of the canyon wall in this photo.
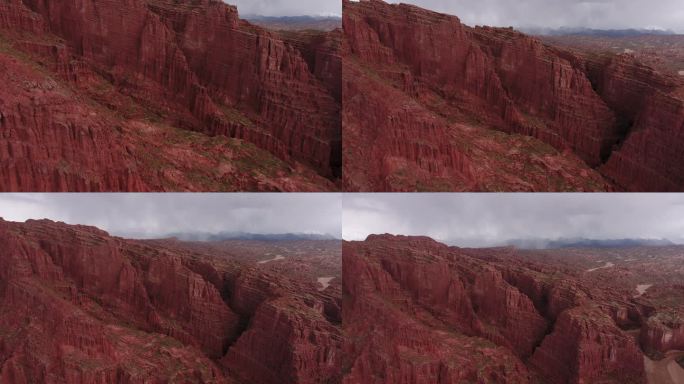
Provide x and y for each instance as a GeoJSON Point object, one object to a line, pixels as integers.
{"type": "Point", "coordinates": [81, 306]}
{"type": "Point", "coordinates": [418, 311]}
{"type": "Point", "coordinates": [193, 64]}
{"type": "Point", "coordinates": [497, 78]}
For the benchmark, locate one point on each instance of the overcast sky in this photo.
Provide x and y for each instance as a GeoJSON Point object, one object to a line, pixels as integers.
{"type": "Point", "coordinates": [475, 220]}
{"type": "Point", "coordinates": [154, 215]}
{"type": "Point", "coordinates": [288, 7]}
{"type": "Point", "coordinates": [599, 14]}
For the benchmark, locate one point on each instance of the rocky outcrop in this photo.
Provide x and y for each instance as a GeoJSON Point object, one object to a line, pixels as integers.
{"type": "Point", "coordinates": [496, 78]}
{"type": "Point", "coordinates": [50, 143]}
{"type": "Point", "coordinates": [660, 334]}
{"type": "Point", "coordinates": [81, 306]}
{"type": "Point", "coordinates": [651, 109]}
{"type": "Point", "coordinates": [586, 345]}
{"type": "Point", "coordinates": [166, 60]}
{"type": "Point", "coordinates": [662, 325]}
{"type": "Point", "coordinates": [392, 335]}
{"type": "Point", "coordinates": [413, 149]}
{"type": "Point", "coordinates": [287, 342]}
{"type": "Point", "coordinates": [54, 141]}
{"type": "Point", "coordinates": [190, 300]}
{"type": "Point", "coordinates": [407, 140]}
{"type": "Point", "coordinates": [322, 53]}
{"type": "Point", "coordinates": [73, 301]}
{"type": "Point", "coordinates": [13, 14]}
{"type": "Point", "coordinates": [550, 300]}
{"type": "Point", "coordinates": [418, 311]}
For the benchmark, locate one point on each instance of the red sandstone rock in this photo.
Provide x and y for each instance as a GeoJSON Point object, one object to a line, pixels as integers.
{"type": "Point", "coordinates": [287, 342]}
{"type": "Point", "coordinates": [416, 311]}
{"type": "Point", "coordinates": [660, 334]}
{"type": "Point", "coordinates": [651, 106]}
{"type": "Point", "coordinates": [494, 78]}
{"type": "Point", "coordinates": [163, 59]}
{"type": "Point", "coordinates": [391, 338]}
{"type": "Point", "coordinates": [78, 305]}
{"type": "Point", "coordinates": [586, 345]}
{"type": "Point", "coordinates": [662, 327]}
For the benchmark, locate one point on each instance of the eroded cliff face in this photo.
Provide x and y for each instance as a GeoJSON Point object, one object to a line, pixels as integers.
{"type": "Point", "coordinates": [662, 330]}
{"type": "Point", "coordinates": [417, 311]}
{"type": "Point", "coordinates": [650, 106]}
{"type": "Point", "coordinates": [586, 344]}
{"type": "Point", "coordinates": [493, 78]}
{"type": "Point", "coordinates": [80, 306]}
{"type": "Point", "coordinates": [167, 63]}
{"type": "Point", "coordinates": [392, 338]}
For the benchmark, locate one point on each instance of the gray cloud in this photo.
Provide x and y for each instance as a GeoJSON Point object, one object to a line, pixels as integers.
{"type": "Point", "coordinates": [288, 7]}
{"type": "Point", "coordinates": [599, 14]}
{"type": "Point", "coordinates": [155, 215]}
{"type": "Point", "coordinates": [491, 219]}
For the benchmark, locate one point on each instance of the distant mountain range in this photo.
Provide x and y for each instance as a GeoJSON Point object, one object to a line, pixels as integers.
{"type": "Point", "coordinates": [292, 23]}
{"type": "Point", "coordinates": [204, 236]}
{"type": "Point", "coordinates": [595, 32]}
{"type": "Point", "coordinates": [587, 243]}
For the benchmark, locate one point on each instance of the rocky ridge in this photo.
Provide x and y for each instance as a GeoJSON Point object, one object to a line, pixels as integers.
{"type": "Point", "coordinates": [146, 67]}
{"type": "Point", "coordinates": [81, 306]}
{"type": "Point", "coordinates": [450, 315]}
{"type": "Point", "coordinates": [438, 103]}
